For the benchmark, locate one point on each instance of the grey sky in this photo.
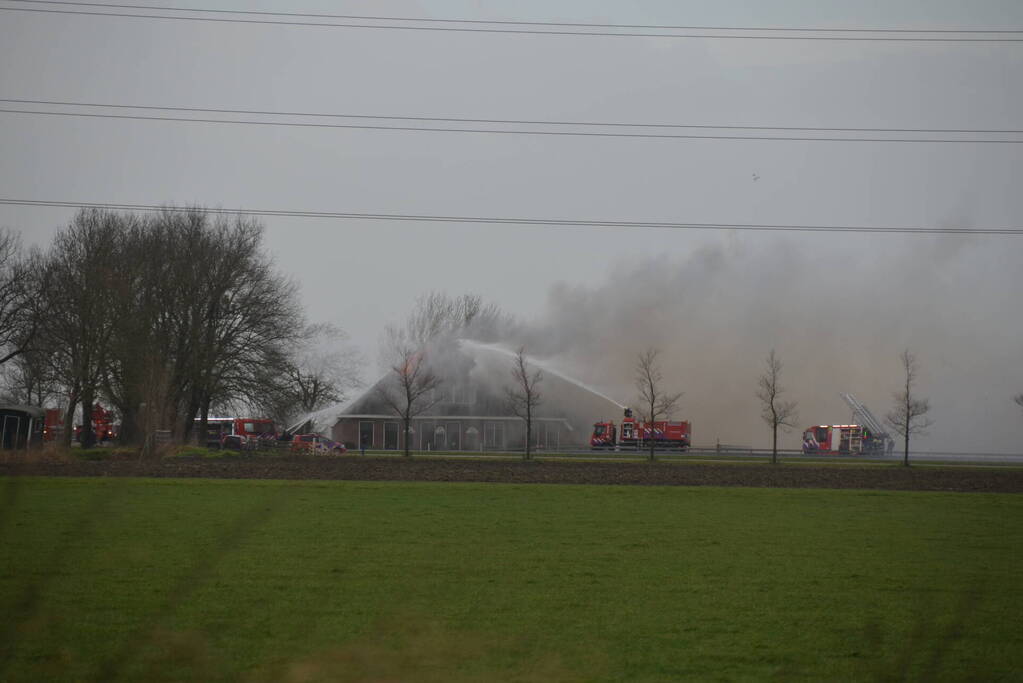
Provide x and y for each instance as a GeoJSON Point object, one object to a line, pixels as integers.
{"type": "Point", "coordinates": [363, 275]}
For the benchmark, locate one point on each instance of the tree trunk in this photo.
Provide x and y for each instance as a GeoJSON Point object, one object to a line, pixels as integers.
{"type": "Point", "coordinates": [69, 421]}
{"type": "Point", "coordinates": [87, 438]}
{"type": "Point", "coordinates": [204, 422]}
{"type": "Point", "coordinates": [406, 423]}
{"type": "Point", "coordinates": [529, 432]}
{"type": "Point", "coordinates": [905, 450]}
{"type": "Point", "coordinates": [187, 425]}
{"type": "Point", "coordinates": [774, 445]}
{"type": "Point", "coordinates": [128, 432]}
{"type": "Point", "coordinates": [650, 423]}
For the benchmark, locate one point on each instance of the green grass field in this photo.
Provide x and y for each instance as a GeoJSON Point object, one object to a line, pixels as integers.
{"type": "Point", "coordinates": [117, 579]}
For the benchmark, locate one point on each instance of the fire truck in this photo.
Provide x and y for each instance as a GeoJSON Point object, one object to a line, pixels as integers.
{"type": "Point", "coordinates": [840, 440]}
{"type": "Point", "coordinates": [633, 433]}
{"type": "Point", "coordinates": [251, 429]}
{"type": "Point", "coordinates": [103, 426]}
{"type": "Point", "coordinates": [53, 424]}
{"type": "Point", "coordinates": [867, 437]}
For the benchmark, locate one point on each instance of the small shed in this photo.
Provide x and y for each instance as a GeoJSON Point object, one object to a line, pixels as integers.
{"type": "Point", "coordinates": [21, 426]}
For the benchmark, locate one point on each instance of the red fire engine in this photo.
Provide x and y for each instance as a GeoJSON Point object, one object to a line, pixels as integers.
{"type": "Point", "coordinates": [249, 428]}
{"type": "Point", "coordinates": [54, 424]}
{"type": "Point", "coordinates": [868, 437]}
{"type": "Point", "coordinates": [840, 440]}
{"type": "Point", "coordinates": [103, 426]}
{"type": "Point", "coordinates": [638, 433]}
{"type": "Point", "coordinates": [255, 428]}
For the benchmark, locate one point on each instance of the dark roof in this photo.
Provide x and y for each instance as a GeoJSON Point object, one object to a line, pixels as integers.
{"type": "Point", "coordinates": [33, 411]}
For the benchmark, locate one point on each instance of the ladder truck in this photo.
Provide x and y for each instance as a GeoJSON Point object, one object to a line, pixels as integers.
{"type": "Point", "coordinates": [865, 436]}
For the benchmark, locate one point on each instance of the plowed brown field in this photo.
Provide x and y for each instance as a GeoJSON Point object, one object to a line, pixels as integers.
{"type": "Point", "coordinates": [392, 468]}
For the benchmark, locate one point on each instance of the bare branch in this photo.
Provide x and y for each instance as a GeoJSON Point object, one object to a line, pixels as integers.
{"type": "Point", "coordinates": [412, 386]}
{"type": "Point", "coordinates": [777, 413]}
{"type": "Point", "coordinates": [17, 324]}
{"type": "Point", "coordinates": [657, 403]}
{"type": "Point", "coordinates": [524, 396]}
{"type": "Point", "coordinates": [907, 417]}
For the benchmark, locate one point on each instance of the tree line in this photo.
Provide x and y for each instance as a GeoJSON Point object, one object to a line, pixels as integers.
{"type": "Point", "coordinates": [907, 417]}
{"type": "Point", "coordinates": [167, 317]}
{"type": "Point", "coordinates": [173, 315]}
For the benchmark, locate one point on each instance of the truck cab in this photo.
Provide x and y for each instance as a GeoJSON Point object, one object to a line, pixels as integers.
{"type": "Point", "coordinates": [604, 435]}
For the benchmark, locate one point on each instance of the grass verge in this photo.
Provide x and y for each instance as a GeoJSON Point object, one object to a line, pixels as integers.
{"type": "Point", "coordinates": [134, 579]}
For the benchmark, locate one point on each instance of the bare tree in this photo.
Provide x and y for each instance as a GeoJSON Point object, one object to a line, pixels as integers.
{"type": "Point", "coordinates": [524, 396]}
{"type": "Point", "coordinates": [16, 328]}
{"type": "Point", "coordinates": [80, 277]}
{"type": "Point", "coordinates": [657, 403]}
{"type": "Point", "coordinates": [776, 412]}
{"type": "Point", "coordinates": [1018, 398]}
{"type": "Point", "coordinates": [163, 316]}
{"type": "Point", "coordinates": [411, 388]}
{"type": "Point", "coordinates": [25, 380]}
{"type": "Point", "coordinates": [436, 315]}
{"type": "Point", "coordinates": [250, 338]}
{"type": "Point", "coordinates": [208, 322]}
{"type": "Point", "coordinates": [321, 370]}
{"type": "Point", "coordinates": [907, 417]}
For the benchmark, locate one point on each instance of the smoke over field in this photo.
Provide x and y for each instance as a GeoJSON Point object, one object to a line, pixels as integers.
{"type": "Point", "coordinates": [838, 318]}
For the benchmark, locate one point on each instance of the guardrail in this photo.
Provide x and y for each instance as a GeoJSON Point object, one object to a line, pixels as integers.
{"type": "Point", "coordinates": [735, 454]}
{"type": "Point", "coordinates": [722, 452]}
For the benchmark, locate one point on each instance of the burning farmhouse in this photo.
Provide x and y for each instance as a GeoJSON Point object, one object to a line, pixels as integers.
{"type": "Point", "coordinates": [469, 409]}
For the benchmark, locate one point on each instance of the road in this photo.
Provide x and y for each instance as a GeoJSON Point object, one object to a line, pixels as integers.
{"type": "Point", "coordinates": [743, 455]}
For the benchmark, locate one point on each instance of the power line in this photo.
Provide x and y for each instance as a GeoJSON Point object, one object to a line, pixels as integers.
{"type": "Point", "coordinates": [544, 222]}
{"type": "Point", "coordinates": [522, 122]}
{"type": "Point", "coordinates": [526, 31]}
{"type": "Point", "coordinates": [497, 131]}
{"type": "Point", "coordinates": [664, 27]}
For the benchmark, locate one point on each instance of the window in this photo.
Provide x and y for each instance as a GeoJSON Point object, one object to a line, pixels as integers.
{"type": "Point", "coordinates": [391, 436]}
{"type": "Point", "coordinates": [547, 435]}
{"type": "Point", "coordinates": [365, 434]}
{"type": "Point", "coordinates": [454, 432]}
{"type": "Point", "coordinates": [425, 435]}
{"type": "Point", "coordinates": [493, 435]}
{"type": "Point", "coordinates": [472, 439]}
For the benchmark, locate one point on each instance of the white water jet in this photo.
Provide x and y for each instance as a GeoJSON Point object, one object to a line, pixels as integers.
{"type": "Point", "coordinates": [546, 367]}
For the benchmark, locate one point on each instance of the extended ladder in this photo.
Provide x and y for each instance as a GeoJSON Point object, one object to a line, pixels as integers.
{"type": "Point", "coordinates": [863, 416]}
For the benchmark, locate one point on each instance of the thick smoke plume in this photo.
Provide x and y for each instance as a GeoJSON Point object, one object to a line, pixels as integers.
{"type": "Point", "coordinates": [838, 315]}
{"type": "Point", "coordinates": [838, 312]}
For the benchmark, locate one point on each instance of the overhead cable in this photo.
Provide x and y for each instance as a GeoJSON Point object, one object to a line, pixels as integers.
{"type": "Point", "coordinates": [521, 122]}
{"type": "Point", "coordinates": [664, 27]}
{"type": "Point", "coordinates": [518, 221]}
{"type": "Point", "coordinates": [508, 131]}
{"type": "Point", "coordinates": [751, 33]}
